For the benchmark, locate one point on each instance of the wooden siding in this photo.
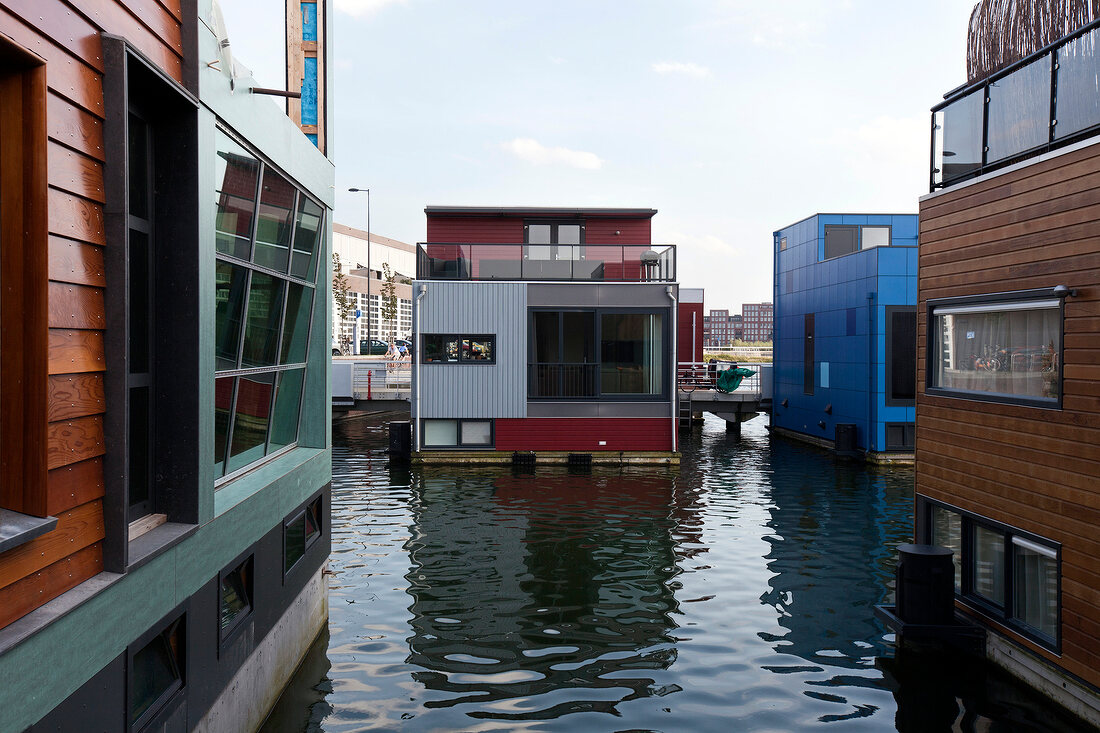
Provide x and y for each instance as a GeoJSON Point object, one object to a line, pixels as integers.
{"type": "Point", "coordinates": [509, 229]}
{"type": "Point", "coordinates": [584, 434]}
{"type": "Point", "coordinates": [476, 390]}
{"type": "Point", "coordinates": [617, 231]}
{"type": "Point", "coordinates": [66, 34]}
{"type": "Point", "coordinates": [1034, 469]}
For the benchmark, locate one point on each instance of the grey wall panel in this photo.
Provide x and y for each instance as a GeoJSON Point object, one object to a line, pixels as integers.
{"type": "Point", "coordinates": [598, 409]}
{"type": "Point", "coordinates": [475, 390]}
{"type": "Point", "coordinates": [635, 295]}
{"type": "Point", "coordinates": [593, 295]}
{"type": "Point", "coordinates": [580, 295]}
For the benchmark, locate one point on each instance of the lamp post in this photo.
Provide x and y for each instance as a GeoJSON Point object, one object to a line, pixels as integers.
{"type": "Point", "coordinates": [366, 191]}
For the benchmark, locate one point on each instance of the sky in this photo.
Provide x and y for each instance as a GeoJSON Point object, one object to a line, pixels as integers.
{"type": "Point", "coordinates": [733, 119]}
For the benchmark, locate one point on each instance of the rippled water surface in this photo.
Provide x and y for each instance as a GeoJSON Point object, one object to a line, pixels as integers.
{"type": "Point", "coordinates": [734, 594]}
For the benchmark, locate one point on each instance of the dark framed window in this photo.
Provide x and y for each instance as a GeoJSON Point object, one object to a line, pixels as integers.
{"type": "Point", "coordinates": [1007, 573]}
{"type": "Point", "coordinates": [843, 239]}
{"type": "Point", "coordinates": [301, 532]}
{"type": "Point", "coordinates": [553, 250]}
{"type": "Point", "coordinates": [235, 587]}
{"type": "Point", "coordinates": [268, 236]}
{"type": "Point", "coordinates": [603, 354]}
{"type": "Point", "coordinates": [808, 354]}
{"type": "Point", "coordinates": [1005, 347]}
{"type": "Point", "coordinates": [23, 274]}
{"type": "Point", "coordinates": [156, 672]}
{"type": "Point", "coordinates": [901, 355]}
{"type": "Point", "coordinates": [450, 348]}
{"type": "Point", "coordinates": [456, 433]}
{"type": "Point", "coordinates": [900, 436]}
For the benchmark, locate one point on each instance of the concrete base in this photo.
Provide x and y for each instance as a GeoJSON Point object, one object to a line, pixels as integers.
{"type": "Point", "coordinates": [254, 690]}
{"type": "Point", "coordinates": [599, 458]}
{"type": "Point", "coordinates": [1065, 690]}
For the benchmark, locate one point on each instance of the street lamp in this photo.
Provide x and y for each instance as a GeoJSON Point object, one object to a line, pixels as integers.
{"type": "Point", "coordinates": [366, 191]}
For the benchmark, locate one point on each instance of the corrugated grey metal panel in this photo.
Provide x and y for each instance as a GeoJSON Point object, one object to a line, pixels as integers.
{"type": "Point", "coordinates": [598, 409]}
{"type": "Point", "coordinates": [476, 390]}
{"type": "Point", "coordinates": [574, 295]}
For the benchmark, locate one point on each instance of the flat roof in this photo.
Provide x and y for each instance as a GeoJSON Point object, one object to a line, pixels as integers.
{"type": "Point", "coordinates": [538, 211]}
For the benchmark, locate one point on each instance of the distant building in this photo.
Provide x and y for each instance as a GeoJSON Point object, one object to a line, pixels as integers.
{"type": "Point", "coordinates": [545, 330]}
{"type": "Point", "coordinates": [690, 342]}
{"type": "Point", "coordinates": [1008, 399]}
{"type": "Point", "coordinates": [756, 322]}
{"type": "Point", "coordinates": [720, 328]}
{"type": "Point", "coordinates": [845, 319]}
{"type": "Point", "coordinates": [351, 245]}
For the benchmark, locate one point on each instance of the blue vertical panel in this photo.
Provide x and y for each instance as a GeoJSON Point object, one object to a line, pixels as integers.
{"type": "Point", "coordinates": [309, 21]}
{"type": "Point", "coordinates": [309, 91]}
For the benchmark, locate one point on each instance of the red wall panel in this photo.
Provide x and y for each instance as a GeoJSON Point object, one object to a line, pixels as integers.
{"type": "Point", "coordinates": [631, 231]}
{"type": "Point", "coordinates": [487, 229]}
{"type": "Point", "coordinates": [584, 434]}
{"type": "Point", "coordinates": [684, 333]}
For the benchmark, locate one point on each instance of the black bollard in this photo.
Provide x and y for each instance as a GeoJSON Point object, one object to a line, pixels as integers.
{"type": "Point", "coordinates": [925, 585]}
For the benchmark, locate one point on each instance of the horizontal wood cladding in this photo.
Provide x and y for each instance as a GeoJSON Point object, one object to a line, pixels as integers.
{"type": "Point", "coordinates": [31, 591]}
{"type": "Point", "coordinates": [487, 229]}
{"type": "Point", "coordinates": [76, 262]}
{"type": "Point", "coordinates": [75, 395]}
{"type": "Point", "coordinates": [74, 484]}
{"type": "Point", "coordinates": [76, 529]}
{"type": "Point", "coordinates": [617, 231]}
{"type": "Point", "coordinates": [69, 441]}
{"type": "Point", "coordinates": [1031, 468]}
{"type": "Point", "coordinates": [583, 435]}
{"type": "Point", "coordinates": [75, 351]}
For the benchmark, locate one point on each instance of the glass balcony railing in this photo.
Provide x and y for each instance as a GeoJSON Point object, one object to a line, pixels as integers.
{"type": "Point", "coordinates": [1047, 100]}
{"type": "Point", "coordinates": [591, 262]}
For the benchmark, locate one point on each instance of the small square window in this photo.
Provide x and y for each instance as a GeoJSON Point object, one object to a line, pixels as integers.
{"type": "Point", "coordinates": [236, 597]}
{"type": "Point", "coordinates": [477, 432]}
{"type": "Point", "coordinates": [440, 433]}
{"type": "Point", "coordinates": [156, 673]}
{"type": "Point", "coordinates": [874, 237]}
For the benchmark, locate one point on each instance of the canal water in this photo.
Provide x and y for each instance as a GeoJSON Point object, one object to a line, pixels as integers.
{"type": "Point", "coordinates": [733, 594]}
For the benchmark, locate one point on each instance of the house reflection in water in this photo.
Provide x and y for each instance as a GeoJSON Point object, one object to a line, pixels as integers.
{"type": "Point", "coordinates": [523, 588]}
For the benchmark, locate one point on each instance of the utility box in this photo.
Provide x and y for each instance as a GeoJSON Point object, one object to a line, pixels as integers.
{"type": "Point", "coordinates": [925, 585]}
{"type": "Point", "coordinates": [400, 440]}
{"type": "Point", "coordinates": [844, 441]}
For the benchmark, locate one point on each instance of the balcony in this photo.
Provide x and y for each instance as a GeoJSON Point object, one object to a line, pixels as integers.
{"type": "Point", "coordinates": [1040, 103]}
{"type": "Point", "coordinates": [568, 262]}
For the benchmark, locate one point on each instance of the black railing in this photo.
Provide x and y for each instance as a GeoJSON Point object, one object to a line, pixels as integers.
{"type": "Point", "coordinates": [1040, 103]}
{"type": "Point", "coordinates": [591, 262]}
{"type": "Point", "coordinates": [568, 381]}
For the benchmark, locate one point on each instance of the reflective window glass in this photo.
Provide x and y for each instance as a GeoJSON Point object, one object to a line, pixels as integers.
{"type": "Point", "coordinates": [538, 234]}
{"type": "Point", "coordinates": [1009, 349]}
{"type": "Point", "coordinates": [299, 304]}
{"type": "Point", "coordinates": [140, 301]}
{"type": "Point", "coordinates": [1019, 111]}
{"type": "Point", "coordinates": [138, 166]}
{"type": "Point", "coordinates": [230, 282]}
{"type": "Point", "coordinates": [140, 443]}
{"type": "Point", "coordinates": [294, 541]}
{"type": "Point", "coordinates": [1035, 585]}
{"type": "Point", "coordinates": [274, 227]}
{"type": "Point", "coordinates": [1078, 98]}
{"type": "Point", "coordinates": [874, 237]}
{"type": "Point", "coordinates": [477, 348]}
{"type": "Point", "coordinates": [440, 433]}
{"type": "Point", "coordinates": [476, 432]}
{"type": "Point", "coordinates": [288, 397]}
{"type": "Point", "coordinates": [236, 173]}
{"type": "Point", "coordinates": [947, 532]}
{"type": "Point", "coordinates": [236, 595]}
{"type": "Point", "coordinates": [307, 231]}
{"type": "Point", "coordinates": [631, 354]}
{"type": "Point", "coordinates": [988, 564]}
{"type": "Point", "coordinates": [223, 403]}
{"type": "Point", "coordinates": [265, 308]}
{"type": "Point", "coordinates": [250, 419]}
{"type": "Point", "coordinates": [156, 671]}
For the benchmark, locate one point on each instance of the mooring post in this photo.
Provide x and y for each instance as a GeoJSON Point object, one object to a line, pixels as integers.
{"type": "Point", "coordinates": [734, 426]}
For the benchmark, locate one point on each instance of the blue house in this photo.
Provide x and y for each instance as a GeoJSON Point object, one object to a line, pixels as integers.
{"type": "Point", "coordinates": [845, 295]}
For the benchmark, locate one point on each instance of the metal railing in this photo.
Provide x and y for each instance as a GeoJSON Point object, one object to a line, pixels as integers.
{"type": "Point", "coordinates": [572, 262]}
{"type": "Point", "coordinates": [693, 375]}
{"type": "Point", "coordinates": [1042, 102]}
{"type": "Point", "coordinates": [568, 381]}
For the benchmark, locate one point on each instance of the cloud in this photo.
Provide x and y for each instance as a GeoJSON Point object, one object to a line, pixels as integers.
{"type": "Point", "coordinates": [679, 67]}
{"type": "Point", "coordinates": [360, 8]}
{"type": "Point", "coordinates": [535, 152]}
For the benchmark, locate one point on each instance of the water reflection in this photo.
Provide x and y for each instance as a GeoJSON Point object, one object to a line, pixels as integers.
{"type": "Point", "coordinates": [573, 577]}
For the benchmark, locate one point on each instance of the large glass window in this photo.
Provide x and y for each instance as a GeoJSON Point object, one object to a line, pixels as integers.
{"type": "Point", "coordinates": [440, 348]}
{"type": "Point", "coordinates": [269, 235]}
{"type": "Point", "coordinates": [1008, 349]}
{"type": "Point", "coordinates": [630, 361]}
{"type": "Point", "coordinates": [947, 532]}
{"type": "Point", "coordinates": [1035, 585]}
{"type": "Point", "coordinates": [988, 564]}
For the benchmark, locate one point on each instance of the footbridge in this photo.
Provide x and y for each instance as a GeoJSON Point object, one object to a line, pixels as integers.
{"type": "Point", "coordinates": [697, 386]}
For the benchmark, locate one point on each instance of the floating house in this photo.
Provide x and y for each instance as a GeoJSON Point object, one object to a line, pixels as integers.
{"type": "Point", "coordinates": [546, 331]}
{"type": "Point", "coordinates": [165, 440]}
{"type": "Point", "coordinates": [1008, 393]}
{"type": "Point", "coordinates": [845, 296]}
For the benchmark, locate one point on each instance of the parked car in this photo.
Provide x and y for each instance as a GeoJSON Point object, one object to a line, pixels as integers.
{"type": "Point", "coordinates": [373, 347]}
{"type": "Point", "coordinates": [406, 343]}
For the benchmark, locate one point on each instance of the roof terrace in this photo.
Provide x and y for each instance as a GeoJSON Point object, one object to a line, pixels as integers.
{"type": "Point", "coordinates": [570, 262]}
{"type": "Point", "coordinates": [1042, 102]}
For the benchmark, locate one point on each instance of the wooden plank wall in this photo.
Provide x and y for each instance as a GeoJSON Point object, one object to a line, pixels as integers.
{"type": "Point", "coordinates": [66, 35]}
{"type": "Point", "coordinates": [1031, 468]}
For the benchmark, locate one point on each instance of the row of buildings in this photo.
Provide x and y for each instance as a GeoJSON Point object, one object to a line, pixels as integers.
{"type": "Point", "coordinates": [753, 324]}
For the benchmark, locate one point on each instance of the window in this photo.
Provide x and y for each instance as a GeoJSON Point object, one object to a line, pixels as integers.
{"type": "Point", "coordinates": [457, 433]}
{"type": "Point", "coordinates": [300, 533]}
{"type": "Point", "coordinates": [630, 362]}
{"type": "Point", "coordinates": [1005, 572]}
{"type": "Point", "coordinates": [901, 355]}
{"type": "Point", "coordinates": [156, 672]}
{"type": "Point", "coordinates": [23, 273]}
{"type": "Point", "coordinates": [268, 234]}
{"type": "Point", "coordinates": [456, 348]}
{"type": "Point", "coordinates": [845, 239]}
{"type": "Point", "coordinates": [808, 354]}
{"type": "Point", "coordinates": [235, 604]}
{"type": "Point", "coordinates": [1004, 348]}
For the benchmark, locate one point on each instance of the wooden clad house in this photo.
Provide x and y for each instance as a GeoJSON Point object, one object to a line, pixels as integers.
{"type": "Point", "coordinates": [1008, 331]}
{"type": "Point", "coordinates": [164, 448]}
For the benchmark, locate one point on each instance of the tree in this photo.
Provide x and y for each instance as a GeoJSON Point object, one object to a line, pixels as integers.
{"type": "Point", "coordinates": [389, 299]}
{"type": "Point", "coordinates": [341, 291]}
